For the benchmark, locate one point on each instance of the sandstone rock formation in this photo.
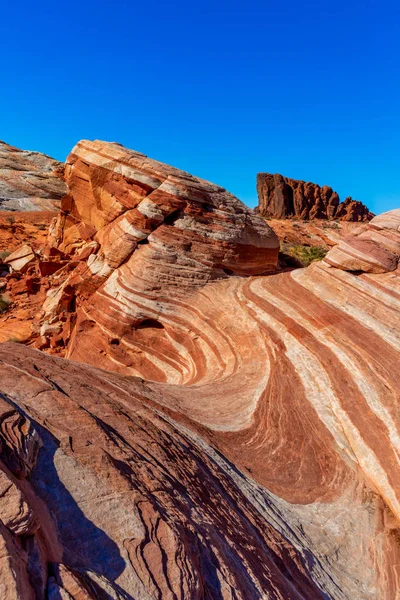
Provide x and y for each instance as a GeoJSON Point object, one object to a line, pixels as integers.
{"type": "Point", "coordinates": [142, 233]}
{"type": "Point", "coordinates": [374, 249]}
{"type": "Point", "coordinates": [270, 471]}
{"type": "Point", "coordinates": [244, 440]}
{"type": "Point", "coordinates": [281, 198]}
{"type": "Point", "coordinates": [29, 181]}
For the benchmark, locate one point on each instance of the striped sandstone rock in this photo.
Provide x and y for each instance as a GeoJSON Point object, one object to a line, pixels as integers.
{"type": "Point", "coordinates": [244, 439]}
{"type": "Point", "coordinates": [374, 249]}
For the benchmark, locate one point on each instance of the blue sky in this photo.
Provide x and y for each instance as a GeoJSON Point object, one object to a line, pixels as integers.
{"type": "Point", "coordinates": [222, 89]}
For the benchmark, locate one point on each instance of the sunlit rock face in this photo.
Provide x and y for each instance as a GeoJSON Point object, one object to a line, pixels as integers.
{"type": "Point", "coordinates": [265, 465]}
{"type": "Point", "coordinates": [244, 439]}
{"type": "Point", "coordinates": [280, 197]}
{"type": "Point", "coordinates": [155, 234]}
{"type": "Point", "coordinates": [374, 249]}
{"type": "Point", "coordinates": [29, 181]}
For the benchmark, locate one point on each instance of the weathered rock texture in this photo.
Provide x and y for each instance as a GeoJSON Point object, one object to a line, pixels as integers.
{"type": "Point", "coordinates": [29, 181]}
{"type": "Point", "coordinates": [281, 198]}
{"type": "Point", "coordinates": [318, 232]}
{"type": "Point", "coordinates": [374, 249]}
{"type": "Point", "coordinates": [246, 445]}
{"type": "Point", "coordinates": [263, 466]}
{"type": "Point", "coordinates": [139, 234]}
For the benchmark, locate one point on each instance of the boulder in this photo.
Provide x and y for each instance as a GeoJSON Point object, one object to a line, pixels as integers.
{"type": "Point", "coordinates": [21, 259]}
{"type": "Point", "coordinates": [145, 233]}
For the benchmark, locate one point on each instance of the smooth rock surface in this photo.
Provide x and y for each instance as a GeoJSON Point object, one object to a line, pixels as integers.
{"type": "Point", "coordinates": [281, 198]}
{"type": "Point", "coordinates": [29, 181]}
{"type": "Point", "coordinates": [263, 464]}
{"type": "Point", "coordinates": [374, 249]}
{"type": "Point", "coordinates": [159, 233]}
{"type": "Point", "coordinates": [244, 439]}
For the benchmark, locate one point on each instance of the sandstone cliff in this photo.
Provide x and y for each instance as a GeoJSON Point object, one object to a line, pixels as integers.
{"type": "Point", "coordinates": [243, 442]}
{"type": "Point", "coordinates": [281, 198]}
{"type": "Point", "coordinates": [29, 181]}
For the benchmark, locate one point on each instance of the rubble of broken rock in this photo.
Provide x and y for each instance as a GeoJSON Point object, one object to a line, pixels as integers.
{"type": "Point", "coordinates": [26, 277]}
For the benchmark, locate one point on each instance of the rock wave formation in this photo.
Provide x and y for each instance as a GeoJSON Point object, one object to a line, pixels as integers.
{"type": "Point", "coordinates": [282, 198]}
{"type": "Point", "coordinates": [29, 181]}
{"type": "Point", "coordinates": [143, 234]}
{"type": "Point", "coordinates": [234, 433]}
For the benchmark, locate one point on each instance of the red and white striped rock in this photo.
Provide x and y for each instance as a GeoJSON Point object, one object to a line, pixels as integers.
{"type": "Point", "coordinates": [375, 249]}
{"type": "Point", "coordinates": [275, 421]}
{"type": "Point", "coordinates": [160, 232]}
{"type": "Point", "coordinates": [247, 444]}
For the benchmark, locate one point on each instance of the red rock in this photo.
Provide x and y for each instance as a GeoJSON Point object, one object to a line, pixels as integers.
{"type": "Point", "coordinates": [47, 268]}
{"type": "Point", "coordinates": [160, 232]}
{"type": "Point", "coordinates": [247, 446]}
{"type": "Point", "coordinates": [21, 259]}
{"type": "Point", "coordinates": [113, 482]}
{"type": "Point", "coordinates": [375, 249]}
{"type": "Point", "coordinates": [281, 198]}
{"type": "Point", "coordinates": [23, 286]}
{"type": "Point", "coordinates": [29, 181]}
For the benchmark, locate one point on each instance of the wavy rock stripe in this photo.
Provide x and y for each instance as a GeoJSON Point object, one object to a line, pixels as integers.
{"type": "Point", "coordinates": [142, 507]}
{"type": "Point", "coordinates": [247, 443]}
{"type": "Point", "coordinates": [316, 431]}
{"type": "Point", "coordinates": [300, 389]}
{"type": "Point", "coordinates": [375, 249]}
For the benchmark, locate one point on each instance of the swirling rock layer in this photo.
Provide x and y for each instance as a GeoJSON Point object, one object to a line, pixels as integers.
{"type": "Point", "coordinates": [281, 198]}
{"type": "Point", "coordinates": [29, 181]}
{"type": "Point", "coordinates": [141, 233]}
{"type": "Point", "coordinates": [373, 249]}
{"type": "Point", "coordinates": [267, 469]}
{"type": "Point", "coordinates": [244, 440]}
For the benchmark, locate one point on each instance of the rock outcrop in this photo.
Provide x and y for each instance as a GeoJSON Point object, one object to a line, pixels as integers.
{"type": "Point", "coordinates": [139, 234]}
{"type": "Point", "coordinates": [243, 442]}
{"type": "Point", "coordinates": [29, 181]}
{"type": "Point", "coordinates": [282, 198]}
{"type": "Point", "coordinates": [257, 467]}
{"type": "Point", "coordinates": [374, 249]}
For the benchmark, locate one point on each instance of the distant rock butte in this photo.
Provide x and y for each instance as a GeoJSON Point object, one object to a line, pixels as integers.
{"type": "Point", "coordinates": [246, 445]}
{"type": "Point", "coordinates": [29, 181]}
{"type": "Point", "coordinates": [282, 198]}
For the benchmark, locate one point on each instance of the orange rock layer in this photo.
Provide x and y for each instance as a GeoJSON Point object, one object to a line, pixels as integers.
{"type": "Point", "coordinates": [247, 443]}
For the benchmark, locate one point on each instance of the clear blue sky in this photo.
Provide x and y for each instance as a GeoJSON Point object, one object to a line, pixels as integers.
{"type": "Point", "coordinates": [221, 89]}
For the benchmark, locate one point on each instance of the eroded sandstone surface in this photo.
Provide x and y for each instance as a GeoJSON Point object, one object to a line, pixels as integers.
{"type": "Point", "coordinates": [242, 439]}
{"type": "Point", "coordinates": [29, 181]}
{"type": "Point", "coordinates": [280, 197]}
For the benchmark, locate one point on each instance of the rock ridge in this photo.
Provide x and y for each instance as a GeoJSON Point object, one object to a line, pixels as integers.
{"type": "Point", "coordinates": [220, 430]}
{"type": "Point", "coordinates": [280, 197]}
{"type": "Point", "coordinates": [29, 181]}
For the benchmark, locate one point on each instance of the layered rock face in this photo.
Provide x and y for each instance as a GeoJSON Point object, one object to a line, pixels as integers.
{"type": "Point", "coordinates": [29, 181]}
{"type": "Point", "coordinates": [281, 198]}
{"type": "Point", "coordinates": [104, 496]}
{"type": "Point", "coordinates": [374, 249]}
{"type": "Point", "coordinates": [246, 445]}
{"type": "Point", "coordinates": [143, 235]}
{"type": "Point", "coordinates": [270, 471]}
